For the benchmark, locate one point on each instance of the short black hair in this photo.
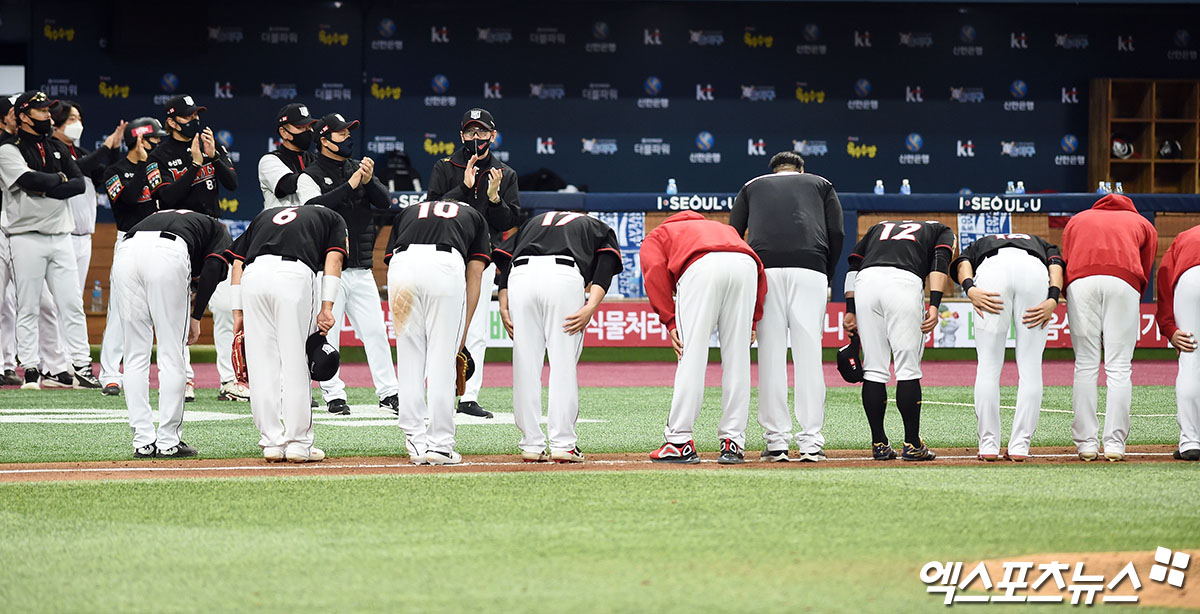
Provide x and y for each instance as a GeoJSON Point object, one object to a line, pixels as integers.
{"type": "Point", "coordinates": [61, 110]}
{"type": "Point", "coordinates": [786, 157]}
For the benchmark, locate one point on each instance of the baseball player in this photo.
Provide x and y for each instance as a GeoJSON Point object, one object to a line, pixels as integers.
{"type": "Point", "coordinates": [699, 274]}
{"type": "Point", "coordinates": [280, 170]}
{"type": "Point", "coordinates": [887, 275]}
{"type": "Point", "coordinates": [125, 184]}
{"type": "Point", "coordinates": [436, 255]}
{"type": "Point", "coordinates": [793, 221]}
{"type": "Point", "coordinates": [179, 181]}
{"type": "Point", "coordinates": [475, 177]}
{"type": "Point", "coordinates": [1109, 251]}
{"type": "Point", "coordinates": [279, 298]}
{"type": "Point", "coordinates": [547, 268]}
{"type": "Point", "coordinates": [1178, 319]}
{"type": "Point", "coordinates": [1005, 275]}
{"type": "Point", "coordinates": [153, 271]}
{"type": "Point", "coordinates": [351, 188]}
{"type": "Point", "coordinates": [37, 175]}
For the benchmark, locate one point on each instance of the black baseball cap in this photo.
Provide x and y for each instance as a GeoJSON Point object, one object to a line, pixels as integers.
{"type": "Point", "coordinates": [477, 116]}
{"type": "Point", "coordinates": [32, 100]}
{"type": "Point", "coordinates": [182, 106]}
{"type": "Point", "coordinates": [323, 358]}
{"type": "Point", "coordinates": [334, 122]}
{"type": "Point", "coordinates": [848, 362]}
{"type": "Point", "coordinates": [6, 103]}
{"type": "Point", "coordinates": [297, 115]}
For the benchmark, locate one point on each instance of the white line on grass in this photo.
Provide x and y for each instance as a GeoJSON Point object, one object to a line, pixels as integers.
{"type": "Point", "coordinates": [1045, 409]}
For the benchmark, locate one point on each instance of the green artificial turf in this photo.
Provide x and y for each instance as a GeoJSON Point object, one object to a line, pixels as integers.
{"type": "Point", "coordinates": [628, 420]}
{"type": "Point", "coordinates": [729, 540]}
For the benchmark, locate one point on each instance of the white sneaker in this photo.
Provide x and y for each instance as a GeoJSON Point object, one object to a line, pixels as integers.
{"type": "Point", "coordinates": [233, 391]}
{"type": "Point", "coordinates": [273, 455]}
{"type": "Point", "coordinates": [437, 457]}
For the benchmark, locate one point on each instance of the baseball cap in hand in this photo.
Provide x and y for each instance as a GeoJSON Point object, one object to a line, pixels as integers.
{"type": "Point", "coordinates": [323, 358]}
{"type": "Point", "coordinates": [297, 115]}
{"type": "Point", "coordinates": [848, 361]}
{"type": "Point", "coordinates": [477, 116]}
{"type": "Point", "coordinates": [333, 123]}
{"type": "Point", "coordinates": [182, 106]}
{"type": "Point", "coordinates": [32, 100]}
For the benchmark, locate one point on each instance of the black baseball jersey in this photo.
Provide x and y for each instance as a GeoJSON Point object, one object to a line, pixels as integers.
{"type": "Point", "coordinates": [905, 245]}
{"type": "Point", "coordinates": [441, 223]}
{"type": "Point", "coordinates": [125, 184]}
{"type": "Point", "coordinates": [206, 237]}
{"type": "Point", "coordinates": [563, 233]}
{"type": "Point", "coordinates": [304, 233]}
{"type": "Point", "coordinates": [986, 247]}
{"type": "Point", "coordinates": [176, 183]}
{"type": "Point", "coordinates": [791, 219]}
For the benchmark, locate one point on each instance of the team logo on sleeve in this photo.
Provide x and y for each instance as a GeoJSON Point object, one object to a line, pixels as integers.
{"type": "Point", "coordinates": [113, 187]}
{"type": "Point", "coordinates": [153, 175]}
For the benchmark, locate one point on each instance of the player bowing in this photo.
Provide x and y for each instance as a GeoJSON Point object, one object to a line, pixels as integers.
{"type": "Point", "coordinates": [436, 255]}
{"type": "Point", "coordinates": [1005, 275]}
{"type": "Point", "coordinates": [885, 304]}
{"type": "Point", "coordinates": [278, 301]}
{"type": "Point", "coordinates": [152, 269]}
{"type": "Point", "coordinates": [1178, 320]}
{"type": "Point", "coordinates": [546, 269]}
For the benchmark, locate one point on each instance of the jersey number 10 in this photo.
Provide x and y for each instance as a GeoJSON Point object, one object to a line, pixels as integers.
{"type": "Point", "coordinates": [440, 209]}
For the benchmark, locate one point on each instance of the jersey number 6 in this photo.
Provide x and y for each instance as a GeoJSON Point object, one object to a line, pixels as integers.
{"type": "Point", "coordinates": [440, 209]}
{"type": "Point", "coordinates": [285, 216]}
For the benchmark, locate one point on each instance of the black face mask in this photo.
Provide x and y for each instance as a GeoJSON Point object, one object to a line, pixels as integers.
{"type": "Point", "coordinates": [190, 129]}
{"type": "Point", "coordinates": [344, 148]}
{"type": "Point", "coordinates": [303, 140]}
{"type": "Point", "coordinates": [42, 126]}
{"type": "Point", "coordinates": [476, 147]}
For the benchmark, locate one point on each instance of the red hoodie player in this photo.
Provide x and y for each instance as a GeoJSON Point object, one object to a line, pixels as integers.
{"type": "Point", "coordinates": [719, 282]}
{"type": "Point", "coordinates": [1179, 306]}
{"type": "Point", "coordinates": [1109, 251]}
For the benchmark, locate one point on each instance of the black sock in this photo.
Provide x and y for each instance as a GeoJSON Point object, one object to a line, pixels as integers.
{"type": "Point", "coordinates": [908, 400]}
{"type": "Point", "coordinates": [874, 397]}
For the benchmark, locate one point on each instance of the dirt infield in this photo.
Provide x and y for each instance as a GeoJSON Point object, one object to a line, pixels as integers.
{"type": "Point", "coordinates": [399, 465]}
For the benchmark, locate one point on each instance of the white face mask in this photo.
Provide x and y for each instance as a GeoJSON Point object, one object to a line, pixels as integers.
{"type": "Point", "coordinates": [74, 131]}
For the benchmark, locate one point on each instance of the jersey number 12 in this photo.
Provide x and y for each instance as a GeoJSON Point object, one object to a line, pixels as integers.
{"type": "Point", "coordinates": [905, 234]}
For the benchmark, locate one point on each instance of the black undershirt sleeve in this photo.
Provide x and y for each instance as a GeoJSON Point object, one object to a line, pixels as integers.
{"type": "Point", "coordinates": [72, 187]}
{"type": "Point", "coordinates": [941, 259]}
{"type": "Point", "coordinates": [607, 267]}
{"type": "Point", "coordinates": [38, 181]}
{"type": "Point", "coordinates": [211, 274]}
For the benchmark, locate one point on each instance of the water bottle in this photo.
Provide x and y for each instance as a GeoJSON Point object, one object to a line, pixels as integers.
{"type": "Point", "coordinates": [1101, 189]}
{"type": "Point", "coordinates": [1020, 187]}
{"type": "Point", "coordinates": [672, 189]}
{"type": "Point", "coordinates": [879, 186]}
{"type": "Point", "coordinates": [1010, 189]}
{"type": "Point", "coordinates": [1120, 188]}
{"type": "Point", "coordinates": [904, 187]}
{"type": "Point", "coordinates": [97, 298]}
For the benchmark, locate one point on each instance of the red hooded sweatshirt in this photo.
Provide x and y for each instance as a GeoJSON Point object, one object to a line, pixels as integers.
{"type": "Point", "coordinates": [1183, 254]}
{"type": "Point", "coordinates": [672, 247]}
{"type": "Point", "coordinates": [1111, 238]}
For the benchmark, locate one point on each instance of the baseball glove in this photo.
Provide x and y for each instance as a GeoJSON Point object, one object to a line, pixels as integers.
{"type": "Point", "coordinates": [239, 358]}
{"type": "Point", "coordinates": [464, 368]}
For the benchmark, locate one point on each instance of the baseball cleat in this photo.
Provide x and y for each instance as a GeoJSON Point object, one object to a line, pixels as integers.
{"type": "Point", "coordinates": [233, 390]}
{"type": "Point", "coordinates": [311, 455]}
{"type": "Point", "coordinates": [312, 404]}
{"type": "Point", "coordinates": [812, 457]}
{"type": "Point", "coordinates": [31, 380]}
{"type": "Point", "coordinates": [179, 450]}
{"type": "Point", "coordinates": [1187, 455]}
{"type": "Point", "coordinates": [1088, 456]}
{"type": "Point", "coordinates": [10, 378]}
{"type": "Point", "coordinates": [882, 452]}
{"type": "Point", "coordinates": [917, 453]}
{"type": "Point", "coordinates": [438, 457]}
{"type": "Point", "coordinates": [574, 455]}
{"type": "Point", "coordinates": [146, 451]}
{"type": "Point", "coordinates": [189, 391]}
{"type": "Point", "coordinates": [731, 453]}
{"type": "Point", "coordinates": [339, 407]}
{"type": "Point", "coordinates": [1114, 457]}
{"type": "Point", "coordinates": [415, 456]}
{"type": "Point", "coordinates": [676, 453]}
{"type": "Point", "coordinates": [774, 456]}
{"type": "Point", "coordinates": [274, 455]}
{"type": "Point", "coordinates": [991, 458]}
{"type": "Point", "coordinates": [85, 377]}
{"type": "Point", "coordinates": [61, 380]}
{"type": "Point", "coordinates": [390, 403]}
{"type": "Point", "coordinates": [534, 457]}
{"type": "Point", "coordinates": [1016, 458]}
{"type": "Point", "coordinates": [472, 408]}
{"type": "Point", "coordinates": [112, 390]}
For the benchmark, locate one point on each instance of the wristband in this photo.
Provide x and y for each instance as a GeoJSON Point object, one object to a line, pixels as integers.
{"type": "Point", "coordinates": [330, 285]}
{"type": "Point", "coordinates": [850, 304]}
{"type": "Point", "coordinates": [935, 298]}
{"type": "Point", "coordinates": [235, 297]}
{"type": "Point", "coordinates": [1054, 293]}
{"type": "Point", "coordinates": [967, 284]}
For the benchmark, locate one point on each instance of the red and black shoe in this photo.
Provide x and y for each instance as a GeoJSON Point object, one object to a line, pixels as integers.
{"type": "Point", "coordinates": [731, 453]}
{"type": "Point", "coordinates": [676, 453]}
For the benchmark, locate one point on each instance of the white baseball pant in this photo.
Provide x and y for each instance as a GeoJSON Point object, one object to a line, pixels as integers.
{"type": "Point", "coordinates": [279, 299]}
{"type": "Point", "coordinates": [541, 295]}
{"type": "Point", "coordinates": [41, 260]}
{"type": "Point", "coordinates": [51, 358]}
{"type": "Point", "coordinates": [478, 333]}
{"type": "Point", "coordinates": [112, 345]}
{"type": "Point", "coordinates": [1021, 280]}
{"type": "Point", "coordinates": [795, 304]}
{"type": "Point", "coordinates": [359, 298]}
{"type": "Point", "coordinates": [1187, 383]}
{"type": "Point", "coordinates": [81, 246]}
{"type": "Point", "coordinates": [891, 306]}
{"type": "Point", "coordinates": [718, 290]}
{"type": "Point", "coordinates": [151, 276]}
{"type": "Point", "coordinates": [222, 315]}
{"type": "Point", "coordinates": [1102, 309]}
{"type": "Point", "coordinates": [427, 293]}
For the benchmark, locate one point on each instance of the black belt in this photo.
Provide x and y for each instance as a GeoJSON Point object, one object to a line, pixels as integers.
{"type": "Point", "coordinates": [562, 261]}
{"type": "Point", "coordinates": [441, 247]}
{"type": "Point", "coordinates": [170, 236]}
{"type": "Point", "coordinates": [289, 258]}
